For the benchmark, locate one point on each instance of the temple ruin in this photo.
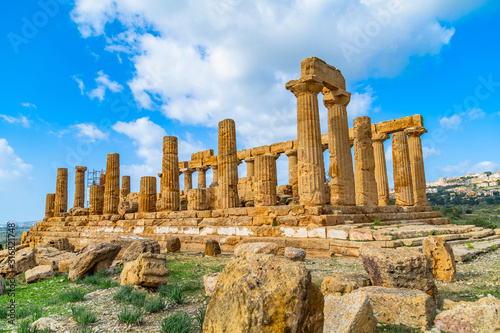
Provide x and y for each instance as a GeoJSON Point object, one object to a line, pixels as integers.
{"type": "Point", "coordinates": [309, 213]}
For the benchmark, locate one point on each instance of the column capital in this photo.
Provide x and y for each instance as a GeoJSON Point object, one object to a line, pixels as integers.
{"type": "Point", "coordinates": [335, 97]}
{"type": "Point", "coordinates": [250, 159]}
{"type": "Point", "coordinates": [415, 131]}
{"type": "Point", "coordinates": [275, 155]}
{"type": "Point", "coordinates": [187, 171]}
{"type": "Point", "coordinates": [304, 86]}
{"type": "Point", "coordinates": [80, 168]}
{"type": "Point", "coordinates": [291, 152]}
{"type": "Point", "coordinates": [202, 168]}
{"type": "Point", "coordinates": [380, 137]}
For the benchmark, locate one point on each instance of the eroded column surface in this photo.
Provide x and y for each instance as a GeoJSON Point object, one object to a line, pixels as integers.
{"type": "Point", "coordinates": [125, 190]}
{"type": "Point", "coordinates": [215, 180]}
{"type": "Point", "coordinates": [112, 186]}
{"type": "Point", "coordinates": [250, 166]}
{"type": "Point", "coordinates": [202, 176]}
{"type": "Point", "coordinates": [266, 181]}
{"type": "Point", "coordinates": [381, 168]}
{"type": "Point", "coordinates": [310, 166]}
{"type": "Point", "coordinates": [198, 199]}
{"type": "Point", "coordinates": [417, 164]}
{"type": "Point", "coordinates": [364, 163]}
{"type": "Point", "coordinates": [188, 178]}
{"type": "Point", "coordinates": [49, 204]}
{"type": "Point", "coordinates": [61, 197]}
{"type": "Point", "coordinates": [403, 186]}
{"type": "Point", "coordinates": [96, 200]}
{"type": "Point", "coordinates": [228, 165]}
{"type": "Point", "coordinates": [79, 187]}
{"type": "Point", "coordinates": [170, 196]}
{"type": "Point", "coordinates": [293, 180]}
{"type": "Point", "coordinates": [341, 169]}
{"type": "Point", "coordinates": [147, 195]}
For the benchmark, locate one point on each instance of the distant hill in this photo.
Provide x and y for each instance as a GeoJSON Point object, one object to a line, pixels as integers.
{"type": "Point", "coordinates": [25, 224]}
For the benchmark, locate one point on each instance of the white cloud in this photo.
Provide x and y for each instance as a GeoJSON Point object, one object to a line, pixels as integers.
{"type": "Point", "coordinates": [202, 61]}
{"type": "Point", "coordinates": [452, 122]}
{"type": "Point", "coordinates": [81, 85]}
{"type": "Point", "coordinates": [430, 152]}
{"type": "Point", "coordinates": [21, 120]}
{"type": "Point", "coordinates": [475, 113]}
{"type": "Point", "coordinates": [12, 167]}
{"type": "Point", "coordinates": [89, 132]}
{"type": "Point", "coordinates": [464, 168]}
{"type": "Point", "coordinates": [362, 103]}
{"type": "Point", "coordinates": [103, 84]}
{"type": "Point", "coordinates": [484, 166]}
{"type": "Point", "coordinates": [28, 105]}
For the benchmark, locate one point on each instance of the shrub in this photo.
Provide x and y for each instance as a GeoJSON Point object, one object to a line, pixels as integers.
{"type": "Point", "coordinates": [173, 293]}
{"type": "Point", "coordinates": [155, 305]}
{"type": "Point", "coordinates": [179, 322]}
{"type": "Point", "coordinates": [130, 316]}
{"type": "Point", "coordinates": [468, 211]}
{"type": "Point", "coordinates": [75, 295]}
{"type": "Point", "coordinates": [372, 227]}
{"type": "Point", "coordinates": [83, 316]}
{"type": "Point", "coordinates": [126, 294]}
{"type": "Point", "coordinates": [3, 312]}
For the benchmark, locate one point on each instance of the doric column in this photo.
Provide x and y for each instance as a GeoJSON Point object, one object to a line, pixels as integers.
{"type": "Point", "coordinates": [417, 164]}
{"type": "Point", "coordinates": [112, 186]}
{"type": "Point", "coordinates": [265, 182]}
{"type": "Point", "coordinates": [202, 176]}
{"type": "Point", "coordinates": [147, 195]}
{"type": "Point", "coordinates": [170, 196]}
{"type": "Point", "coordinates": [403, 186]}
{"type": "Point", "coordinates": [61, 197]}
{"type": "Point", "coordinates": [341, 170]}
{"type": "Point", "coordinates": [250, 166]}
{"type": "Point", "coordinates": [79, 187]}
{"type": "Point", "coordinates": [96, 201]}
{"type": "Point", "coordinates": [292, 171]}
{"type": "Point", "coordinates": [125, 190]}
{"type": "Point", "coordinates": [381, 168]}
{"type": "Point", "coordinates": [188, 178]}
{"type": "Point", "coordinates": [49, 204]}
{"type": "Point", "coordinates": [364, 161]}
{"type": "Point", "coordinates": [198, 199]}
{"type": "Point", "coordinates": [228, 165]}
{"type": "Point", "coordinates": [310, 168]}
{"type": "Point", "coordinates": [215, 180]}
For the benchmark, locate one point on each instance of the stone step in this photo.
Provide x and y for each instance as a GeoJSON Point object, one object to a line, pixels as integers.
{"type": "Point", "coordinates": [463, 252]}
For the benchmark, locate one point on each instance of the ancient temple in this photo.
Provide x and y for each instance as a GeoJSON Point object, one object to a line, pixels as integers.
{"type": "Point", "coordinates": [321, 217]}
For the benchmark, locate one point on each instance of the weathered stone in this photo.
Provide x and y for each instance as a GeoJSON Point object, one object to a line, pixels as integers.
{"type": "Point", "coordinates": [266, 181]}
{"type": "Point", "coordinates": [212, 248]}
{"type": "Point", "coordinates": [265, 293]}
{"type": "Point", "coordinates": [125, 190]}
{"type": "Point", "coordinates": [351, 313]}
{"type": "Point", "coordinates": [198, 199]}
{"type": "Point", "coordinates": [442, 258]}
{"type": "Point", "coordinates": [399, 268]}
{"type": "Point", "coordinates": [45, 323]}
{"type": "Point", "coordinates": [228, 165]}
{"type": "Point", "coordinates": [79, 187]}
{"type": "Point", "coordinates": [403, 186]}
{"type": "Point", "coordinates": [127, 207]}
{"type": "Point", "coordinates": [148, 270]}
{"type": "Point", "coordinates": [49, 204]}
{"type": "Point", "coordinates": [295, 254]}
{"type": "Point", "coordinates": [39, 273]}
{"type": "Point", "coordinates": [61, 197]}
{"type": "Point", "coordinates": [210, 281]}
{"type": "Point", "coordinates": [408, 307]}
{"type": "Point", "coordinates": [147, 196]}
{"type": "Point", "coordinates": [24, 260]}
{"type": "Point", "coordinates": [139, 247]}
{"type": "Point", "coordinates": [381, 168]}
{"type": "Point", "coordinates": [96, 201]}
{"type": "Point", "coordinates": [470, 317]}
{"type": "Point", "coordinates": [61, 244]}
{"type": "Point", "coordinates": [248, 249]}
{"type": "Point", "coordinates": [54, 259]}
{"type": "Point", "coordinates": [173, 245]}
{"type": "Point", "coordinates": [364, 162]}
{"type": "Point", "coordinates": [2, 286]}
{"type": "Point", "coordinates": [417, 164]}
{"type": "Point", "coordinates": [90, 256]}
{"type": "Point", "coordinates": [340, 284]}
{"type": "Point", "coordinates": [112, 185]}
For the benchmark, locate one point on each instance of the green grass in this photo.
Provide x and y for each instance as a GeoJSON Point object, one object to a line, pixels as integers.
{"type": "Point", "coordinates": [199, 318]}
{"type": "Point", "coordinates": [469, 245]}
{"type": "Point", "coordinates": [127, 294]}
{"type": "Point", "coordinates": [72, 296]}
{"type": "Point", "coordinates": [376, 222]}
{"type": "Point", "coordinates": [100, 280]}
{"type": "Point", "coordinates": [130, 316]}
{"type": "Point", "coordinates": [173, 292]}
{"type": "Point", "coordinates": [396, 329]}
{"type": "Point", "coordinates": [30, 310]}
{"type": "Point", "coordinates": [155, 305]}
{"type": "Point", "coordinates": [179, 322]}
{"type": "Point", "coordinates": [83, 316]}
{"type": "Point", "coordinates": [372, 227]}
{"type": "Point", "coordinates": [494, 247]}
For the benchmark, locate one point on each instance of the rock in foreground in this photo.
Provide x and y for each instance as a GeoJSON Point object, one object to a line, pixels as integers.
{"type": "Point", "coordinates": [148, 270]}
{"type": "Point", "coordinates": [442, 258]}
{"type": "Point", "coordinates": [39, 273]}
{"type": "Point", "coordinates": [351, 313]}
{"type": "Point", "coordinates": [248, 249]}
{"type": "Point", "coordinates": [91, 258]}
{"type": "Point", "coordinates": [139, 247]}
{"type": "Point", "coordinates": [339, 284]}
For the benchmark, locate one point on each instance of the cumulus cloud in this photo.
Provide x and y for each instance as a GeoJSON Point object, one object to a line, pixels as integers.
{"type": "Point", "coordinates": [454, 121]}
{"type": "Point", "coordinates": [362, 103]}
{"type": "Point", "coordinates": [465, 167]}
{"type": "Point", "coordinates": [29, 105]}
{"type": "Point", "coordinates": [104, 84]}
{"type": "Point", "coordinates": [430, 152]}
{"type": "Point", "coordinates": [80, 83]}
{"type": "Point", "coordinates": [89, 132]}
{"type": "Point", "coordinates": [12, 167]}
{"type": "Point", "coordinates": [21, 120]}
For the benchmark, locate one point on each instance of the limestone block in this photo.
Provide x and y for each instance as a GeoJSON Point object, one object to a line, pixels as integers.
{"type": "Point", "coordinates": [351, 313]}
{"type": "Point", "coordinates": [295, 254]}
{"type": "Point", "coordinates": [198, 199]}
{"type": "Point", "coordinates": [128, 207]}
{"type": "Point", "coordinates": [61, 244]}
{"type": "Point", "coordinates": [24, 260]}
{"type": "Point", "coordinates": [364, 161]}
{"type": "Point", "coordinates": [210, 281]}
{"type": "Point", "coordinates": [173, 245]}
{"type": "Point", "coordinates": [90, 256]}
{"type": "Point", "coordinates": [327, 74]}
{"type": "Point", "coordinates": [340, 284]}
{"type": "Point", "coordinates": [281, 147]}
{"type": "Point", "coordinates": [39, 273]}
{"type": "Point", "coordinates": [442, 258]}
{"type": "Point", "coordinates": [248, 249]}
{"type": "Point", "coordinates": [212, 248]}
{"type": "Point", "coordinates": [140, 246]}
{"type": "Point", "coordinates": [148, 270]}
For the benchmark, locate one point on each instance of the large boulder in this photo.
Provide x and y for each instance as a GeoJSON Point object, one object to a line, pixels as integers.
{"type": "Point", "coordinates": [212, 248]}
{"type": "Point", "coordinates": [210, 281]}
{"type": "Point", "coordinates": [55, 258]}
{"type": "Point", "coordinates": [294, 253]}
{"type": "Point", "coordinates": [351, 313]}
{"type": "Point", "coordinates": [265, 293]}
{"type": "Point", "coordinates": [399, 268]}
{"type": "Point", "coordinates": [93, 258]}
{"type": "Point", "coordinates": [408, 307]}
{"type": "Point", "coordinates": [469, 317]}
{"type": "Point", "coordinates": [247, 249]}
{"type": "Point", "coordinates": [39, 273]}
{"type": "Point", "coordinates": [173, 245]}
{"type": "Point", "coordinates": [2, 286]}
{"type": "Point", "coordinates": [24, 260]}
{"type": "Point", "coordinates": [61, 244]}
{"type": "Point", "coordinates": [340, 284]}
{"type": "Point", "coordinates": [442, 258]}
{"type": "Point", "coordinates": [148, 270]}
{"type": "Point", "coordinates": [139, 247]}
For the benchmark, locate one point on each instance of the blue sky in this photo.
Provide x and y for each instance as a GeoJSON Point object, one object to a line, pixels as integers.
{"type": "Point", "coordinates": [89, 77]}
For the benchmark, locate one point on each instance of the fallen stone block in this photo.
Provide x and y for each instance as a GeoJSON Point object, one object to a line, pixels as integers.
{"type": "Point", "coordinates": [351, 313]}
{"type": "Point", "coordinates": [340, 284]}
{"type": "Point", "coordinates": [212, 248]}
{"type": "Point", "coordinates": [39, 273]}
{"type": "Point", "coordinates": [92, 258]}
{"type": "Point", "coordinates": [148, 270]}
{"type": "Point", "coordinates": [247, 249]}
{"type": "Point", "coordinates": [173, 245]}
{"type": "Point", "coordinates": [294, 253]}
{"type": "Point", "coordinates": [210, 281]}
{"type": "Point", "coordinates": [140, 246]}
{"type": "Point", "coordinates": [442, 258]}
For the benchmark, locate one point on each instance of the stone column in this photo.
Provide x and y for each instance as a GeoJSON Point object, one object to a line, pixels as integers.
{"type": "Point", "coordinates": [310, 168]}
{"type": "Point", "coordinates": [188, 178]}
{"type": "Point", "coordinates": [170, 196]}
{"type": "Point", "coordinates": [265, 183]}
{"type": "Point", "coordinates": [202, 176]}
{"type": "Point", "coordinates": [403, 186]}
{"type": "Point", "coordinates": [61, 197]}
{"type": "Point", "coordinates": [147, 195]}
{"type": "Point", "coordinates": [112, 186]}
{"type": "Point", "coordinates": [215, 169]}
{"type": "Point", "coordinates": [96, 202]}
{"type": "Point", "coordinates": [364, 161]}
{"type": "Point", "coordinates": [381, 168]}
{"type": "Point", "coordinates": [102, 179]}
{"type": "Point", "coordinates": [341, 170]}
{"type": "Point", "coordinates": [417, 164]}
{"type": "Point", "coordinates": [125, 190]}
{"type": "Point", "coordinates": [250, 166]}
{"type": "Point", "coordinates": [79, 187]}
{"type": "Point", "coordinates": [292, 171]}
{"type": "Point", "coordinates": [49, 204]}
{"type": "Point", "coordinates": [198, 199]}
{"type": "Point", "coordinates": [228, 165]}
